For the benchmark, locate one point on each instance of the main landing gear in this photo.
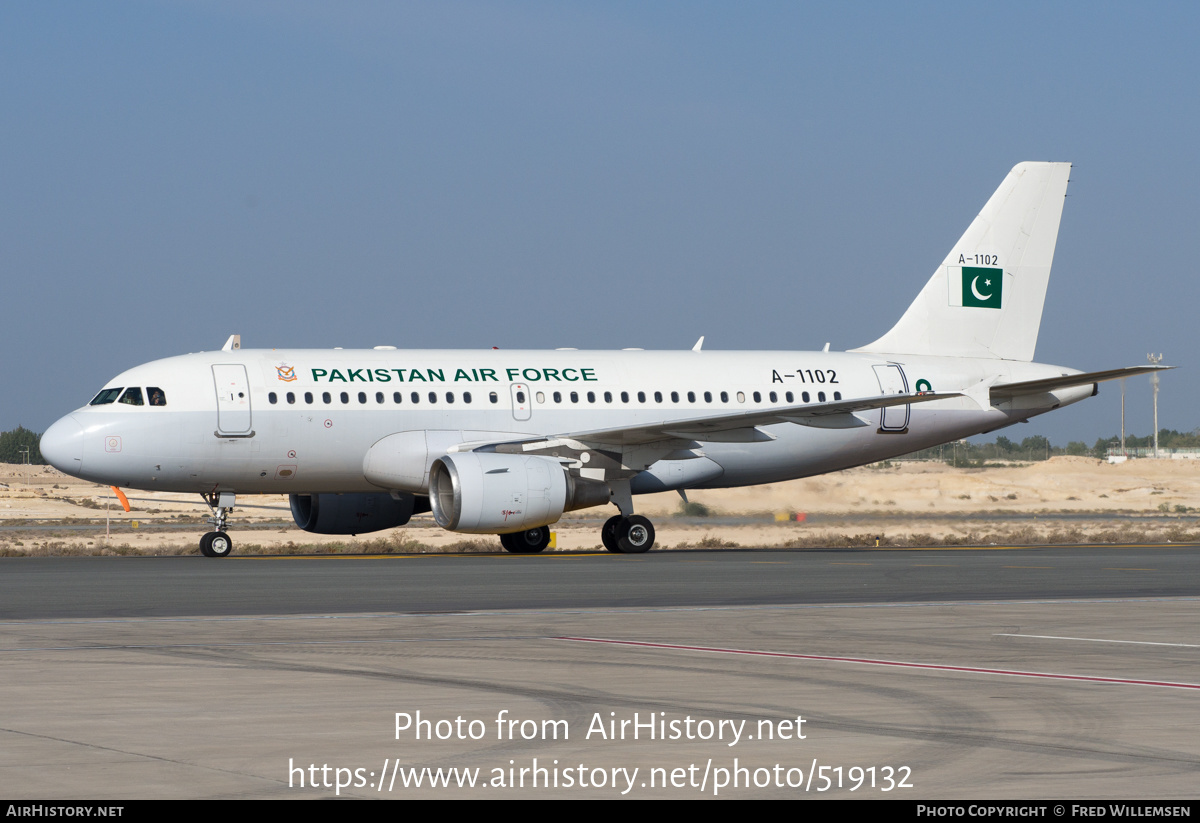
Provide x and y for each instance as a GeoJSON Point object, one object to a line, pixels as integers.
{"type": "Point", "coordinates": [620, 535]}
{"type": "Point", "coordinates": [218, 543]}
{"type": "Point", "coordinates": [526, 542]}
{"type": "Point", "coordinates": [627, 535]}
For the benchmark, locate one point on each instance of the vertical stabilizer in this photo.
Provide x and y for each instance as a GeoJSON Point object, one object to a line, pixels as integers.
{"type": "Point", "coordinates": [986, 298]}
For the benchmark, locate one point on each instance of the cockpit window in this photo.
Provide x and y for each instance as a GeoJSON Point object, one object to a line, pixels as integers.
{"type": "Point", "coordinates": [106, 396]}
{"type": "Point", "coordinates": [132, 396]}
{"type": "Point", "coordinates": [157, 397]}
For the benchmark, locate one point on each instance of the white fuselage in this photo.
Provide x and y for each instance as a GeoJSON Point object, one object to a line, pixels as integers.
{"type": "Point", "coordinates": [305, 419]}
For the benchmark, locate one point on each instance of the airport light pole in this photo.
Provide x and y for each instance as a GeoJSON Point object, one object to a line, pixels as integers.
{"type": "Point", "coordinates": [1154, 360]}
{"type": "Point", "coordinates": [1123, 418]}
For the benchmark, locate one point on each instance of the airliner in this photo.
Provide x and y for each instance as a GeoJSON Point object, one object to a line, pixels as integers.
{"type": "Point", "coordinates": [505, 442]}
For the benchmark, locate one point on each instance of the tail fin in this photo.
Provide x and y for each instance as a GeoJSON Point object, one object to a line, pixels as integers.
{"type": "Point", "coordinates": [986, 298]}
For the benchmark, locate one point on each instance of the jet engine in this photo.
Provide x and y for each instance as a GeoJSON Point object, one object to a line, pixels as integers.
{"type": "Point", "coordinates": [490, 493]}
{"type": "Point", "coordinates": [352, 513]}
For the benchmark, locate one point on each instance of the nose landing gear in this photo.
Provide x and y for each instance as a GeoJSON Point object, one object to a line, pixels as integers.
{"type": "Point", "coordinates": [217, 543]}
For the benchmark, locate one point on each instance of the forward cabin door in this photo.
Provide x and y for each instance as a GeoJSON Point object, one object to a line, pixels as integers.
{"type": "Point", "coordinates": [892, 381]}
{"type": "Point", "coordinates": [233, 400]}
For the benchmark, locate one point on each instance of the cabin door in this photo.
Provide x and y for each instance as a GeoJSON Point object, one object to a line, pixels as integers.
{"type": "Point", "coordinates": [892, 381]}
{"type": "Point", "coordinates": [233, 400]}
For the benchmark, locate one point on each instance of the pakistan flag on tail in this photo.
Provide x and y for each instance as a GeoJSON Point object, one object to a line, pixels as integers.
{"type": "Point", "coordinates": [982, 287]}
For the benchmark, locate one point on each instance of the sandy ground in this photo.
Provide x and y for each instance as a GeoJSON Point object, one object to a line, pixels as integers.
{"type": "Point", "coordinates": [1064, 500]}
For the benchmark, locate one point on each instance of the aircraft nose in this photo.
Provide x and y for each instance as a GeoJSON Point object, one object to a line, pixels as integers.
{"type": "Point", "coordinates": [62, 445]}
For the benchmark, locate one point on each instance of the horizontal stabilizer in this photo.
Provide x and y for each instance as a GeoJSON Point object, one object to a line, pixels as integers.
{"type": "Point", "coordinates": [1006, 390]}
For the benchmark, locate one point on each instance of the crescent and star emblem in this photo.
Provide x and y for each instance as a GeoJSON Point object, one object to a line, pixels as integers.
{"type": "Point", "coordinates": [975, 289]}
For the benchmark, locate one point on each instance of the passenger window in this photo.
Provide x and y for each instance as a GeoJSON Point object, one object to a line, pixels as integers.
{"type": "Point", "coordinates": [821, 396]}
{"type": "Point", "coordinates": [272, 398]}
{"type": "Point", "coordinates": [658, 397]}
{"type": "Point", "coordinates": [789, 397]}
{"type": "Point", "coordinates": [362, 397]}
{"type": "Point", "coordinates": [641, 397]}
{"type": "Point", "coordinates": [557, 397]}
{"type": "Point", "coordinates": [291, 398]}
{"type": "Point", "coordinates": [591, 397]}
{"type": "Point", "coordinates": [492, 396]}
{"type": "Point", "coordinates": [345, 397]}
{"type": "Point", "coordinates": [416, 398]}
{"type": "Point", "coordinates": [837, 395]}
{"type": "Point", "coordinates": [378, 397]}
{"type": "Point", "coordinates": [132, 397]}
{"type": "Point", "coordinates": [308, 397]}
{"type": "Point", "coordinates": [741, 397]}
{"type": "Point", "coordinates": [157, 398]}
{"type": "Point", "coordinates": [574, 397]}
{"type": "Point", "coordinates": [397, 398]}
{"type": "Point", "coordinates": [449, 397]}
{"type": "Point", "coordinates": [674, 397]}
{"type": "Point", "coordinates": [105, 397]}
{"type": "Point", "coordinates": [608, 397]}
{"type": "Point", "coordinates": [326, 397]}
{"type": "Point", "coordinates": [433, 397]}
{"type": "Point", "coordinates": [708, 397]}
{"type": "Point", "coordinates": [757, 397]}
{"type": "Point", "coordinates": [521, 397]}
{"type": "Point", "coordinates": [466, 397]}
{"type": "Point", "coordinates": [691, 397]}
{"type": "Point", "coordinates": [724, 397]}
{"type": "Point", "coordinates": [774, 397]}
{"type": "Point", "coordinates": [804, 397]}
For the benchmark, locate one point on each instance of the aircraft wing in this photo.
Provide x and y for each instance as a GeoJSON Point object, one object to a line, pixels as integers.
{"type": "Point", "coordinates": [739, 427]}
{"type": "Point", "coordinates": [1004, 391]}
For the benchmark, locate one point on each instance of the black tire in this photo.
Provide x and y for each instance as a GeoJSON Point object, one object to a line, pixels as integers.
{"type": "Point", "coordinates": [220, 544]}
{"type": "Point", "coordinates": [206, 544]}
{"type": "Point", "coordinates": [531, 541]}
{"type": "Point", "coordinates": [608, 534]}
{"type": "Point", "coordinates": [635, 535]}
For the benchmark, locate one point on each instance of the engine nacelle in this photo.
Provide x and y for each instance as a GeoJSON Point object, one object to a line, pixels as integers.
{"type": "Point", "coordinates": [352, 513]}
{"type": "Point", "coordinates": [490, 493]}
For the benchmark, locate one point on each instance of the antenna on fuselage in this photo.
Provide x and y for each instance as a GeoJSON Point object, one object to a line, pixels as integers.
{"type": "Point", "coordinates": [233, 343]}
{"type": "Point", "coordinates": [699, 343]}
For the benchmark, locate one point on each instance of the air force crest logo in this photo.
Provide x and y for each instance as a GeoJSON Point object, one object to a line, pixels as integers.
{"type": "Point", "coordinates": [286, 373]}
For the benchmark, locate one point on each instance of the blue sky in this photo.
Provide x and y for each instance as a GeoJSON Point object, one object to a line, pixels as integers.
{"type": "Point", "coordinates": [600, 175]}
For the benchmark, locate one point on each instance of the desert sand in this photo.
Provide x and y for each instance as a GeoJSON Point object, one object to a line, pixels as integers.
{"type": "Point", "coordinates": [1062, 500]}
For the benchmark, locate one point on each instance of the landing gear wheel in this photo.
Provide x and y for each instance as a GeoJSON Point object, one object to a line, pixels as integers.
{"type": "Point", "coordinates": [216, 544]}
{"type": "Point", "coordinates": [635, 535]}
{"type": "Point", "coordinates": [608, 534]}
{"type": "Point", "coordinates": [526, 542]}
